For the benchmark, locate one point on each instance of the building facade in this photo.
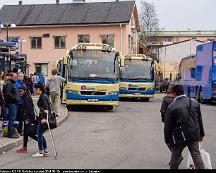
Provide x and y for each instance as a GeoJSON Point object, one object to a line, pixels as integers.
{"type": "Point", "coordinates": [46, 31]}
{"type": "Point", "coordinates": [171, 55]}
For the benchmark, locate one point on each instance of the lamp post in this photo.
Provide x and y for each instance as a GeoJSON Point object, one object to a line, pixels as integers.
{"type": "Point", "coordinates": [7, 26]}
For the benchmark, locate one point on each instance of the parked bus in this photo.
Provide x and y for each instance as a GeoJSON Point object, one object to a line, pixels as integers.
{"type": "Point", "coordinates": [137, 77]}
{"type": "Point", "coordinates": [198, 73]}
{"type": "Point", "coordinates": [92, 72]}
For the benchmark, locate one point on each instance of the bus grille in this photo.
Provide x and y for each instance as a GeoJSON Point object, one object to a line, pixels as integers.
{"type": "Point", "coordinates": [92, 93]}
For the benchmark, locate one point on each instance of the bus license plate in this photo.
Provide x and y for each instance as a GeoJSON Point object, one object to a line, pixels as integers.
{"type": "Point", "coordinates": [136, 93]}
{"type": "Point", "coordinates": [92, 100]}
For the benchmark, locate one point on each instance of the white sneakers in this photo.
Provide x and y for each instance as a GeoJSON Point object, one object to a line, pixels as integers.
{"type": "Point", "coordinates": [37, 155]}
{"type": "Point", "coordinates": [44, 154]}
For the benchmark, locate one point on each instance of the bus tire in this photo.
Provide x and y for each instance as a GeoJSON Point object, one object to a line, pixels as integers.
{"type": "Point", "coordinates": [110, 108]}
{"type": "Point", "coordinates": [146, 99]}
{"type": "Point", "coordinates": [201, 100]}
{"type": "Point", "coordinates": [197, 95]}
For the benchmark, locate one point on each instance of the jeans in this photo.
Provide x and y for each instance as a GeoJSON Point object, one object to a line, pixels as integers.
{"type": "Point", "coordinates": [194, 151]}
{"type": "Point", "coordinates": [42, 144]}
{"type": "Point", "coordinates": [12, 113]}
{"type": "Point", "coordinates": [19, 118]}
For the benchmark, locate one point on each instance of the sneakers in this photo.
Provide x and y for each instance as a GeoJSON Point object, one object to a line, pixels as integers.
{"type": "Point", "coordinates": [22, 150]}
{"type": "Point", "coordinates": [37, 155]}
{"type": "Point", "coordinates": [44, 154]}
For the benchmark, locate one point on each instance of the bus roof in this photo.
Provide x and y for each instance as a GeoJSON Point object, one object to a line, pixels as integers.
{"type": "Point", "coordinates": [93, 46]}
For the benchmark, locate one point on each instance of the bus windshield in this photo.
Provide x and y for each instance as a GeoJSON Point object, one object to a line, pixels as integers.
{"type": "Point", "coordinates": [93, 64]}
{"type": "Point", "coordinates": [137, 70]}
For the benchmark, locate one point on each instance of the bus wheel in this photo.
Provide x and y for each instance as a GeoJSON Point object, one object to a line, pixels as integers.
{"type": "Point", "coordinates": [146, 99]}
{"type": "Point", "coordinates": [109, 108]}
{"type": "Point", "coordinates": [197, 95]}
{"type": "Point", "coordinates": [201, 100]}
{"type": "Point", "coordinates": [69, 107]}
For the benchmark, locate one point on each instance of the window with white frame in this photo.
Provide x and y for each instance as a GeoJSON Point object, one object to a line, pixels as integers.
{"type": "Point", "coordinates": [83, 38]}
{"type": "Point", "coordinates": [36, 42]}
{"type": "Point", "coordinates": [41, 68]}
{"type": "Point", "coordinates": [60, 42]}
{"type": "Point", "coordinates": [108, 39]}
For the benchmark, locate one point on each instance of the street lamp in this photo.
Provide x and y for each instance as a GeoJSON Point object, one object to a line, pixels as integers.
{"type": "Point", "coordinates": [8, 25]}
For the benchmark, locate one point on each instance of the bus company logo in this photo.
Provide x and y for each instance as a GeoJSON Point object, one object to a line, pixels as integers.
{"type": "Point", "coordinates": [132, 86]}
{"type": "Point", "coordinates": [83, 87]}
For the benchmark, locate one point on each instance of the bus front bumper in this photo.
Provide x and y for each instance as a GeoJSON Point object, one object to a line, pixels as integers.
{"type": "Point", "coordinates": [86, 102]}
{"type": "Point", "coordinates": [136, 96]}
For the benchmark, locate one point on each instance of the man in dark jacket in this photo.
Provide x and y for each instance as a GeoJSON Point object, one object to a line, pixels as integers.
{"type": "Point", "coordinates": [11, 100]}
{"type": "Point", "coordinates": [177, 115]}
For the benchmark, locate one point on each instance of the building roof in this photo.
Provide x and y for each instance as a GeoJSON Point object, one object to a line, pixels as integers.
{"type": "Point", "coordinates": [188, 40]}
{"type": "Point", "coordinates": [68, 13]}
{"type": "Point", "coordinates": [166, 33]}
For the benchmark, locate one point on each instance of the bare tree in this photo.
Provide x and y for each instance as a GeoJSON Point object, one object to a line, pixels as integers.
{"type": "Point", "coordinates": [150, 25]}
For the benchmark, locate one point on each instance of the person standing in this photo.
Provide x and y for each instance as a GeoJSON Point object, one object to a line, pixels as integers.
{"type": "Point", "coordinates": [20, 83]}
{"type": "Point", "coordinates": [44, 106]}
{"type": "Point", "coordinates": [28, 116]}
{"type": "Point", "coordinates": [11, 97]}
{"type": "Point", "coordinates": [167, 100]}
{"type": "Point", "coordinates": [1, 93]}
{"type": "Point", "coordinates": [184, 111]}
{"type": "Point", "coordinates": [35, 79]}
{"type": "Point", "coordinates": [30, 84]}
{"type": "Point", "coordinates": [53, 85]}
{"type": "Point", "coordinates": [41, 79]}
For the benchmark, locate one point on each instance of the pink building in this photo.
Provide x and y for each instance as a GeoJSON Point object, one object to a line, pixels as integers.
{"type": "Point", "coordinates": [46, 31]}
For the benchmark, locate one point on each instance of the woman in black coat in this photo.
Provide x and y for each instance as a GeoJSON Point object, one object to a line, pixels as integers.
{"type": "Point", "coordinates": [28, 116]}
{"type": "Point", "coordinates": [44, 106]}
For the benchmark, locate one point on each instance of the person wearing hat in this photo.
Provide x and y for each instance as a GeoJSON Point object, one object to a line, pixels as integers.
{"type": "Point", "coordinates": [28, 116]}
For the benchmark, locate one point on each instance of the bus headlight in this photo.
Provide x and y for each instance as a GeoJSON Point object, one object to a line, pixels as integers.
{"type": "Point", "coordinates": [112, 92]}
{"type": "Point", "coordinates": [73, 91]}
{"type": "Point", "coordinates": [123, 88]}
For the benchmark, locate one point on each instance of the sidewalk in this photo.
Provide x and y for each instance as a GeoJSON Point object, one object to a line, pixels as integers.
{"type": "Point", "coordinates": [8, 143]}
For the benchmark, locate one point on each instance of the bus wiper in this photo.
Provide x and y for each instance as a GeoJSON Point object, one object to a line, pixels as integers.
{"type": "Point", "coordinates": [141, 79]}
{"type": "Point", "coordinates": [105, 78]}
{"type": "Point", "coordinates": [93, 78]}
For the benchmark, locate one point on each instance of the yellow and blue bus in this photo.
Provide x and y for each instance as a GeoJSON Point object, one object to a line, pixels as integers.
{"type": "Point", "coordinates": [137, 77]}
{"type": "Point", "coordinates": [92, 72]}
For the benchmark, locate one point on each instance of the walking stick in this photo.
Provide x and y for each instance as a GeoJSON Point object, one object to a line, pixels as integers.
{"type": "Point", "coordinates": [52, 139]}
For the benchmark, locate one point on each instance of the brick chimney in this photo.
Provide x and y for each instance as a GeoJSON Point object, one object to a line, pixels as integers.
{"type": "Point", "coordinates": [20, 2]}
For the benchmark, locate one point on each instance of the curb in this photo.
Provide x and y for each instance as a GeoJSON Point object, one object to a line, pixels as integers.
{"type": "Point", "coordinates": [13, 144]}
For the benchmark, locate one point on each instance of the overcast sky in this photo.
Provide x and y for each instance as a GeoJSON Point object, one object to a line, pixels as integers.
{"type": "Point", "coordinates": [172, 14]}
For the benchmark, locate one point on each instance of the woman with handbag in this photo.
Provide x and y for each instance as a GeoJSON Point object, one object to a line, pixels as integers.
{"type": "Point", "coordinates": [29, 118]}
{"type": "Point", "coordinates": [44, 106]}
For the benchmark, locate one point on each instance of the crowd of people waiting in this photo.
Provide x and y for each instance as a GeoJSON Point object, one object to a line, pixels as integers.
{"type": "Point", "coordinates": [16, 104]}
